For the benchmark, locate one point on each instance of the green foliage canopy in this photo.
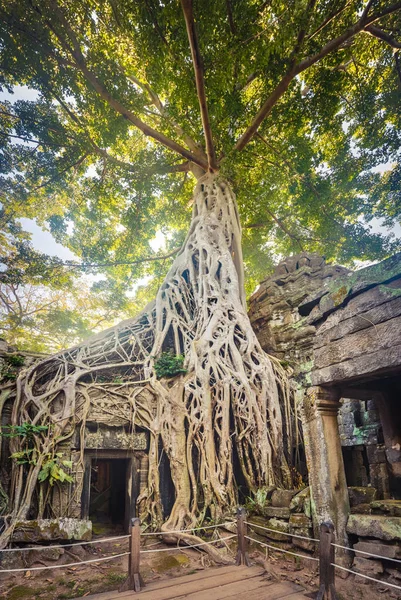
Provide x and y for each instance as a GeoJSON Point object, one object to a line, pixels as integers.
{"type": "Point", "coordinates": [103, 156]}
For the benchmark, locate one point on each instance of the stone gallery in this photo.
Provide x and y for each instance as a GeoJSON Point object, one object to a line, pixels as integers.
{"type": "Point", "coordinates": [338, 335]}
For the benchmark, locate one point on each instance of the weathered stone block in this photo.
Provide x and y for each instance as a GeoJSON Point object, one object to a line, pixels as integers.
{"type": "Point", "coordinates": [113, 439]}
{"type": "Point", "coordinates": [373, 547]}
{"type": "Point", "coordinates": [276, 511]}
{"type": "Point", "coordinates": [300, 543]}
{"type": "Point", "coordinates": [300, 520]}
{"type": "Point", "coordinates": [370, 417]}
{"type": "Point", "coordinates": [376, 454]}
{"type": "Point", "coordinates": [301, 502]}
{"type": "Point", "coordinates": [52, 529]}
{"type": "Point", "coordinates": [361, 509]}
{"type": "Point", "coordinates": [361, 495]}
{"type": "Point", "coordinates": [390, 507]}
{"type": "Point", "coordinates": [379, 478]}
{"type": "Point", "coordinates": [282, 498]}
{"type": "Point", "coordinates": [348, 418]}
{"type": "Point", "coordinates": [375, 526]}
{"type": "Point", "coordinates": [78, 550]}
{"type": "Point", "coordinates": [395, 573]}
{"type": "Point", "coordinates": [278, 526]}
{"type": "Point", "coordinates": [49, 554]}
{"type": "Point", "coordinates": [367, 566]}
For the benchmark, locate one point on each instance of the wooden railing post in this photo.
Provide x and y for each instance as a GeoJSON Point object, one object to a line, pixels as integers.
{"type": "Point", "coordinates": [242, 531]}
{"type": "Point", "coordinates": [133, 581]}
{"type": "Point", "coordinates": [326, 570]}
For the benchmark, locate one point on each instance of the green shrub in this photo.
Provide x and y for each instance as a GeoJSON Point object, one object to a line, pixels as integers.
{"type": "Point", "coordinates": [169, 365]}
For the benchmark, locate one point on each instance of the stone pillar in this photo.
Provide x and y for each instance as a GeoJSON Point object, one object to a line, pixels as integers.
{"type": "Point", "coordinates": [324, 458]}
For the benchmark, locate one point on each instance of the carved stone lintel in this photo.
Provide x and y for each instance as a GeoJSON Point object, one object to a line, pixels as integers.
{"type": "Point", "coordinates": [327, 400]}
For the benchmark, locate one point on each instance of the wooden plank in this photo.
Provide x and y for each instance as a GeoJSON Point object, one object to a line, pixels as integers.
{"type": "Point", "coordinates": [171, 582]}
{"type": "Point", "coordinates": [175, 587]}
{"type": "Point", "coordinates": [278, 591]}
{"type": "Point", "coordinates": [296, 596]}
{"type": "Point", "coordinates": [239, 589]}
{"type": "Point", "coordinates": [208, 583]}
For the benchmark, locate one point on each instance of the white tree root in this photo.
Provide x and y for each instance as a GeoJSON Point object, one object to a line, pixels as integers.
{"type": "Point", "coordinates": [220, 425]}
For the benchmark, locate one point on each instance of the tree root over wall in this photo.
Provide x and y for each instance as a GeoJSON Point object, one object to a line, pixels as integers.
{"type": "Point", "coordinates": [222, 416]}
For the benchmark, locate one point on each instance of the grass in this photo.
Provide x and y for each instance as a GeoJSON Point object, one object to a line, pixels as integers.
{"type": "Point", "coordinates": [116, 577]}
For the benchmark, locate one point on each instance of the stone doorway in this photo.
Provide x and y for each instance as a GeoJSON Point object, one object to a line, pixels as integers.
{"type": "Point", "coordinates": [108, 492]}
{"type": "Point", "coordinates": [110, 489]}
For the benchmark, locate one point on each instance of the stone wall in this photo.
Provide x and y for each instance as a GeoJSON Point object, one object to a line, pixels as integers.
{"type": "Point", "coordinates": [339, 334]}
{"type": "Point", "coordinates": [282, 329]}
{"type": "Point", "coordinates": [364, 451]}
{"type": "Point", "coordinates": [282, 516]}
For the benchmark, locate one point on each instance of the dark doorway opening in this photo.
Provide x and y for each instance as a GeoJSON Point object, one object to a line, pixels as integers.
{"type": "Point", "coordinates": [108, 493]}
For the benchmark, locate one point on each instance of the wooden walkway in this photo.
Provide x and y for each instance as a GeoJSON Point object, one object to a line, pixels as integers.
{"type": "Point", "coordinates": [218, 583]}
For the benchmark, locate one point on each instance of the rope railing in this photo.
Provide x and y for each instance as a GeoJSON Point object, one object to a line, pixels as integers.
{"type": "Point", "coordinates": [67, 545]}
{"type": "Point", "coordinates": [178, 531]}
{"type": "Point", "coordinates": [282, 549]}
{"type": "Point", "coordinates": [293, 535]}
{"type": "Point", "coordinates": [65, 566]}
{"type": "Point", "coordinates": [328, 565]}
{"type": "Point", "coordinates": [368, 553]}
{"type": "Point", "coordinates": [112, 539]}
{"type": "Point", "coordinates": [326, 560]}
{"type": "Point", "coordinates": [133, 581]}
{"type": "Point", "coordinates": [383, 583]}
{"type": "Point", "coordinates": [222, 540]}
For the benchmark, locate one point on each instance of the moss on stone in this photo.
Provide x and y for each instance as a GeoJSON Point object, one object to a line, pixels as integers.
{"type": "Point", "coordinates": [165, 563]}
{"type": "Point", "coordinates": [375, 274]}
{"type": "Point", "coordinates": [298, 324]}
{"type": "Point", "coordinates": [340, 295]}
{"type": "Point", "coordinates": [22, 591]}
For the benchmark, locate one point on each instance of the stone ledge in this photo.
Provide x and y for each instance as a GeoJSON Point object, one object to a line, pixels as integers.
{"type": "Point", "coordinates": [375, 526]}
{"type": "Point", "coordinates": [375, 547]}
{"type": "Point", "coordinates": [48, 530]}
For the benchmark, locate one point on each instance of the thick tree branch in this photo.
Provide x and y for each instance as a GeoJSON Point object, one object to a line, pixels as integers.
{"type": "Point", "coordinates": [382, 35]}
{"type": "Point", "coordinates": [386, 11]}
{"type": "Point", "coordinates": [199, 79]}
{"type": "Point", "coordinates": [100, 88]}
{"type": "Point", "coordinates": [265, 110]}
{"type": "Point", "coordinates": [180, 168]}
{"type": "Point", "coordinates": [281, 87]}
{"type": "Point", "coordinates": [192, 145]}
{"type": "Point", "coordinates": [364, 22]}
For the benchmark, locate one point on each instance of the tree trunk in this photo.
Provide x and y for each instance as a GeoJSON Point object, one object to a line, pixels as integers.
{"type": "Point", "coordinates": [219, 424]}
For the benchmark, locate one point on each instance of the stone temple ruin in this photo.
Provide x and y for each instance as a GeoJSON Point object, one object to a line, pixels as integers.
{"type": "Point", "coordinates": [338, 333]}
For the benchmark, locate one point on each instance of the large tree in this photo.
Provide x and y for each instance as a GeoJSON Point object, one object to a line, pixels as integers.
{"type": "Point", "coordinates": [290, 105]}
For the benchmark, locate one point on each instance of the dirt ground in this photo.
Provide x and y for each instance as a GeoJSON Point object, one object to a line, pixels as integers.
{"type": "Point", "coordinates": [80, 581]}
